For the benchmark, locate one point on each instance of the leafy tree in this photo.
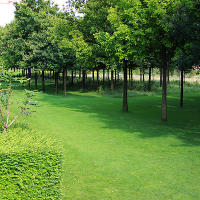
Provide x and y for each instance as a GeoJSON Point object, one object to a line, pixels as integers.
{"type": "Point", "coordinates": [6, 99]}
{"type": "Point", "coordinates": [60, 34]}
{"type": "Point", "coordinates": [157, 29]}
{"type": "Point", "coordinates": [124, 42]}
{"type": "Point", "coordinates": [32, 22]}
{"type": "Point", "coordinates": [184, 30]}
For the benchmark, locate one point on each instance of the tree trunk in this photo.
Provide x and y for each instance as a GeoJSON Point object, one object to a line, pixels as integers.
{"type": "Point", "coordinates": [103, 76]}
{"type": "Point", "coordinates": [97, 78]}
{"type": "Point", "coordinates": [65, 81]}
{"type": "Point", "coordinates": [48, 74]}
{"type": "Point", "coordinates": [36, 78]}
{"type": "Point", "coordinates": [108, 74]}
{"type": "Point", "coordinates": [29, 77]}
{"type": "Point", "coordinates": [129, 74]}
{"type": "Point", "coordinates": [93, 76]}
{"type": "Point", "coordinates": [79, 73]}
{"type": "Point", "coordinates": [168, 81]}
{"type": "Point", "coordinates": [152, 74]}
{"type": "Point", "coordinates": [131, 78]}
{"type": "Point", "coordinates": [184, 77]}
{"type": "Point", "coordinates": [56, 82]}
{"type": "Point", "coordinates": [143, 75]}
{"type": "Point", "coordinates": [164, 93]}
{"type": "Point", "coordinates": [181, 96]}
{"type": "Point", "coordinates": [161, 77]}
{"type": "Point", "coordinates": [149, 84]}
{"type": "Point", "coordinates": [72, 78]}
{"type": "Point", "coordinates": [115, 76]}
{"type": "Point", "coordinates": [23, 72]}
{"type": "Point", "coordinates": [112, 81]}
{"type": "Point", "coordinates": [125, 101]}
{"type": "Point", "coordinates": [118, 75]}
{"type": "Point", "coordinates": [43, 81]}
{"type": "Point", "coordinates": [83, 79]}
{"type": "Point", "coordinates": [140, 75]}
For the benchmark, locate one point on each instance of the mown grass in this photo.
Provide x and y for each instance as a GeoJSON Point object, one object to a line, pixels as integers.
{"type": "Point", "coordinates": [124, 156]}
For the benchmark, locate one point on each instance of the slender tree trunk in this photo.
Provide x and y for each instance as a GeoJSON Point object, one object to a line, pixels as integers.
{"type": "Point", "coordinates": [23, 72]}
{"type": "Point", "coordinates": [56, 82]}
{"type": "Point", "coordinates": [140, 75]}
{"type": "Point", "coordinates": [152, 74]}
{"type": "Point", "coordinates": [161, 77]}
{"type": "Point", "coordinates": [164, 93]}
{"type": "Point", "coordinates": [97, 78]}
{"type": "Point", "coordinates": [115, 76]}
{"type": "Point", "coordinates": [48, 74]}
{"type": "Point", "coordinates": [129, 74]}
{"type": "Point", "coordinates": [72, 78]}
{"type": "Point", "coordinates": [65, 81]}
{"type": "Point", "coordinates": [181, 96]}
{"type": "Point", "coordinates": [108, 75]}
{"type": "Point", "coordinates": [168, 81]}
{"type": "Point", "coordinates": [184, 77]}
{"type": "Point", "coordinates": [112, 80]}
{"type": "Point", "coordinates": [125, 90]}
{"type": "Point", "coordinates": [149, 84]}
{"type": "Point", "coordinates": [83, 78]}
{"type": "Point", "coordinates": [79, 73]}
{"type": "Point", "coordinates": [143, 75]}
{"type": "Point", "coordinates": [75, 73]}
{"type": "Point", "coordinates": [103, 76]}
{"type": "Point", "coordinates": [43, 81]}
{"type": "Point", "coordinates": [29, 76]}
{"type": "Point", "coordinates": [131, 78]}
{"type": "Point", "coordinates": [93, 76]}
{"type": "Point", "coordinates": [118, 75]}
{"type": "Point", "coordinates": [36, 78]}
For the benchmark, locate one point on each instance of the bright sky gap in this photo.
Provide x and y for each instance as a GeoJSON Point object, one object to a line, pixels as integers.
{"type": "Point", "coordinates": [7, 10]}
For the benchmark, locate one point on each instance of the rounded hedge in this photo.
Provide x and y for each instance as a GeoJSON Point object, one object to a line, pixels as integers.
{"type": "Point", "coordinates": [31, 166]}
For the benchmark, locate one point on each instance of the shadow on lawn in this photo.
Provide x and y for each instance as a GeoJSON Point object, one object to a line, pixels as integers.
{"type": "Point", "coordinates": [143, 117]}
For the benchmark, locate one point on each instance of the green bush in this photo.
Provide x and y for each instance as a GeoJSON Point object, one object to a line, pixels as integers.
{"type": "Point", "coordinates": [30, 166]}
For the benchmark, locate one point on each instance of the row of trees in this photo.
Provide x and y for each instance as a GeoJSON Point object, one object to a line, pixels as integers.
{"type": "Point", "coordinates": [106, 34]}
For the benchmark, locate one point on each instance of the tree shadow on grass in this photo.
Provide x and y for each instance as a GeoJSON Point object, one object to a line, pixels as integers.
{"type": "Point", "coordinates": [143, 116]}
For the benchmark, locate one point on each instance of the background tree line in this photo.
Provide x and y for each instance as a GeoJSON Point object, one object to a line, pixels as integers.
{"type": "Point", "coordinates": [110, 36]}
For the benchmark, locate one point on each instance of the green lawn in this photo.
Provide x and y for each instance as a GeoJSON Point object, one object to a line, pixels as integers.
{"type": "Point", "coordinates": [110, 155]}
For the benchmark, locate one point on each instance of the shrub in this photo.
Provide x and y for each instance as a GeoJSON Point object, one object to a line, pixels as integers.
{"type": "Point", "coordinates": [30, 166]}
{"type": "Point", "coordinates": [9, 80]}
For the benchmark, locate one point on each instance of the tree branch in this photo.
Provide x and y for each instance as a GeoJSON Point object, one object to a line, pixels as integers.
{"type": "Point", "coordinates": [15, 119]}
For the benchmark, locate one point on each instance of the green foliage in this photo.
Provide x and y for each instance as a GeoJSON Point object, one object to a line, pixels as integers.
{"type": "Point", "coordinates": [31, 166]}
{"type": "Point", "coordinates": [7, 100]}
{"type": "Point", "coordinates": [26, 43]}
